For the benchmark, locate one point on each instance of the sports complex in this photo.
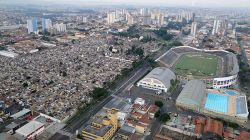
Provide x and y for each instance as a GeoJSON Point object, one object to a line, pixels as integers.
{"type": "Point", "coordinates": [223, 103]}
{"type": "Point", "coordinates": [217, 68]}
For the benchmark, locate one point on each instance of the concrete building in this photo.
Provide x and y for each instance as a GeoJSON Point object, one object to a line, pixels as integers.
{"type": "Point", "coordinates": [111, 17]}
{"type": "Point", "coordinates": [8, 54]}
{"type": "Point", "coordinates": [84, 19]}
{"type": "Point", "coordinates": [131, 19]}
{"type": "Point", "coordinates": [32, 26]}
{"type": "Point", "coordinates": [46, 24]}
{"type": "Point", "coordinates": [123, 108]}
{"type": "Point", "coordinates": [101, 128]}
{"type": "Point", "coordinates": [194, 28]}
{"type": "Point", "coordinates": [144, 12]}
{"type": "Point", "coordinates": [125, 133]}
{"type": "Point", "coordinates": [158, 79]}
{"type": "Point", "coordinates": [192, 95]}
{"type": "Point", "coordinates": [60, 27]}
{"type": "Point", "coordinates": [30, 130]}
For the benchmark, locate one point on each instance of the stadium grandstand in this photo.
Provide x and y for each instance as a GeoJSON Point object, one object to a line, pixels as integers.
{"type": "Point", "coordinates": [222, 103]}
{"type": "Point", "coordinates": [158, 79]}
{"type": "Point", "coordinates": [217, 68]}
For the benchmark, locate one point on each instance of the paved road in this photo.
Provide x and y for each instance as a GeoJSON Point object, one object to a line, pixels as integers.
{"type": "Point", "coordinates": [78, 124]}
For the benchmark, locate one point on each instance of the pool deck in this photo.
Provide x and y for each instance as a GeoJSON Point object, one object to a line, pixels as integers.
{"type": "Point", "coordinates": [231, 107]}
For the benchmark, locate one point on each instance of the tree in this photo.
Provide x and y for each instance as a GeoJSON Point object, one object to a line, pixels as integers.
{"type": "Point", "coordinates": [159, 103]}
{"type": "Point", "coordinates": [139, 51]}
{"type": "Point", "coordinates": [163, 33]}
{"type": "Point", "coordinates": [176, 43]}
{"type": "Point", "coordinates": [164, 117]}
{"type": "Point", "coordinates": [79, 136]}
{"type": "Point", "coordinates": [99, 93]}
{"type": "Point", "coordinates": [64, 74]}
{"type": "Point", "coordinates": [158, 114]}
{"type": "Point", "coordinates": [73, 41]}
{"type": "Point", "coordinates": [172, 81]}
{"type": "Point", "coordinates": [25, 84]}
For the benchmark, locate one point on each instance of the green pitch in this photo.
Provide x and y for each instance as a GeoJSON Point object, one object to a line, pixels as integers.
{"type": "Point", "coordinates": [197, 65]}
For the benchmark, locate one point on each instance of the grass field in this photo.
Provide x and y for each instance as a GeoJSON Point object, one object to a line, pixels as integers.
{"type": "Point", "coordinates": [197, 65]}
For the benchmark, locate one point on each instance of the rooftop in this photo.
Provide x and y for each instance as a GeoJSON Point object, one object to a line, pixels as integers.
{"type": "Point", "coordinates": [193, 93]}
{"type": "Point", "coordinates": [29, 128]}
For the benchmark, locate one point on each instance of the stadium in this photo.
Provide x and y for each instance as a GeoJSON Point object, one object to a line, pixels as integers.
{"type": "Point", "coordinates": [217, 68]}
{"type": "Point", "coordinates": [218, 103]}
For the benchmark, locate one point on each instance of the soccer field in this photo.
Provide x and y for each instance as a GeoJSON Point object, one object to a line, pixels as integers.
{"type": "Point", "coordinates": [197, 65]}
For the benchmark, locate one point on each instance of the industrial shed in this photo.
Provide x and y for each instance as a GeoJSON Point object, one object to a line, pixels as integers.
{"type": "Point", "coordinates": [192, 95]}
{"type": "Point", "coordinates": [158, 79]}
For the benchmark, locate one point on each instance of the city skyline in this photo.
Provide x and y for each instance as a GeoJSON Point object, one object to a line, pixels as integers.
{"type": "Point", "coordinates": [190, 3]}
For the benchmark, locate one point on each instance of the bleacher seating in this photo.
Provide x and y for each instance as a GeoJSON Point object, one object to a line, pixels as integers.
{"type": "Point", "coordinates": [170, 58]}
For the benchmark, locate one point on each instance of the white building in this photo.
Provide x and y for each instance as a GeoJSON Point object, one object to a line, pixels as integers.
{"type": "Point", "coordinates": [30, 130]}
{"type": "Point", "coordinates": [48, 23]}
{"type": "Point", "coordinates": [8, 54]}
{"type": "Point", "coordinates": [158, 79]}
{"type": "Point", "coordinates": [139, 101]}
{"type": "Point", "coordinates": [193, 28]}
{"type": "Point", "coordinates": [32, 26]}
{"type": "Point", "coordinates": [60, 27]}
{"type": "Point", "coordinates": [144, 12]}
{"type": "Point", "coordinates": [84, 19]}
{"type": "Point", "coordinates": [111, 17]}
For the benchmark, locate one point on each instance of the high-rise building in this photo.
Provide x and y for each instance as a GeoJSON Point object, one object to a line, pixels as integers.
{"type": "Point", "coordinates": [131, 19]}
{"type": "Point", "coordinates": [220, 27]}
{"type": "Point", "coordinates": [111, 17]}
{"type": "Point", "coordinates": [46, 24]}
{"type": "Point", "coordinates": [84, 19]}
{"type": "Point", "coordinates": [32, 26]}
{"type": "Point", "coordinates": [157, 18]}
{"type": "Point", "coordinates": [144, 12]}
{"type": "Point", "coordinates": [193, 28]}
{"type": "Point", "coordinates": [60, 27]}
{"type": "Point", "coordinates": [146, 20]}
{"type": "Point", "coordinates": [193, 17]}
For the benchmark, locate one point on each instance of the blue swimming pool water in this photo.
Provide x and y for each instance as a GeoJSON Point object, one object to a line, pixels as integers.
{"type": "Point", "coordinates": [231, 92]}
{"type": "Point", "coordinates": [216, 102]}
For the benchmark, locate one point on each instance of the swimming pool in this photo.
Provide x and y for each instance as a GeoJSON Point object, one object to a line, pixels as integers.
{"type": "Point", "coordinates": [231, 92]}
{"type": "Point", "coordinates": [216, 102]}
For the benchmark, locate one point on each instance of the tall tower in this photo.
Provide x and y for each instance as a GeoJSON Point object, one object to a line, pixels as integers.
{"type": "Point", "coordinates": [193, 28]}
{"type": "Point", "coordinates": [46, 24]}
{"type": "Point", "coordinates": [111, 17]}
{"type": "Point", "coordinates": [32, 26]}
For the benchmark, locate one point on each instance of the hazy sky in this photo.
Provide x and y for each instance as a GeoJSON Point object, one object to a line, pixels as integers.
{"type": "Point", "coordinates": [196, 3]}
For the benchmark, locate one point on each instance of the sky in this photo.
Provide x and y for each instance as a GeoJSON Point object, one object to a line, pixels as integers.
{"type": "Point", "coordinates": [195, 3]}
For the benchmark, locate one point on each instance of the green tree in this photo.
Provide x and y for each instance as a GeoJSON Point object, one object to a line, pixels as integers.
{"type": "Point", "coordinates": [158, 114]}
{"type": "Point", "coordinates": [176, 43]}
{"type": "Point", "coordinates": [25, 84]}
{"type": "Point", "coordinates": [159, 103]}
{"type": "Point", "coordinates": [99, 93]}
{"type": "Point", "coordinates": [164, 117]}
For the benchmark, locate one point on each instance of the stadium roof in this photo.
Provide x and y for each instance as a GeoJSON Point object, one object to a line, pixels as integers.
{"type": "Point", "coordinates": [193, 93]}
{"type": "Point", "coordinates": [29, 128]}
{"type": "Point", "coordinates": [162, 74]}
{"type": "Point", "coordinates": [20, 113]}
